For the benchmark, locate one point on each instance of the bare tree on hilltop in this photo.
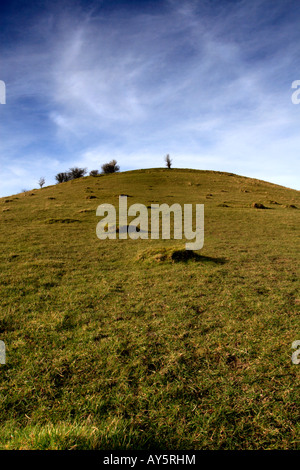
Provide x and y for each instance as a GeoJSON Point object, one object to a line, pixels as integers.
{"type": "Point", "coordinates": [94, 173]}
{"type": "Point", "coordinates": [168, 161]}
{"type": "Point", "coordinates": [72, 174]}
{"type": "Point", "coordinates": [41, 181]}
{"type": "Point", "coordinates": [110, 167]}
{"type": "Point", "coordinates": [77, 173]}
{"type": "Point", "coordinates": [62, 177]}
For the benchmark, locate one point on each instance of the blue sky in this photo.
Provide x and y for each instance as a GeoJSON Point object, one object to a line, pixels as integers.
{"type": "Point", "coordinates": [208, 82]}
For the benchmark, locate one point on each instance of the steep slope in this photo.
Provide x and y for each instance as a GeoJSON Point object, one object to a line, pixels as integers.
{"type": "Point", "coordinates": [137, 344]}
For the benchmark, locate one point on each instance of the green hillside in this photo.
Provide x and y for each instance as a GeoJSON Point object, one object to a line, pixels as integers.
{"type": "Point", "coordinates": [139, 344]}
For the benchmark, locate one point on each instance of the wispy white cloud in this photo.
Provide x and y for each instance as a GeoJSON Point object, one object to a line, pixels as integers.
{"type": "Point", "coordinates": [209, 85]}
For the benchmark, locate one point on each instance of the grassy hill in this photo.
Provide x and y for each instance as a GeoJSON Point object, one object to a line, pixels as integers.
{"type": "Point", "coordinates": [120, 344]}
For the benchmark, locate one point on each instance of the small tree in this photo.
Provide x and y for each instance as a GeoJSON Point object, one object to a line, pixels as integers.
{"type": "Point", "coordinates": [77, 173]}
{"type": "Point", "coordinates": [41, 181]}
{"type": "Point", "coordinates": [110, 167]}
{"type": "Point", "coordinates": [62, 177]}
{"type": "Point", "coordinates": [94, 173]}
{"type": "Point", "coordinates": [168, 161]}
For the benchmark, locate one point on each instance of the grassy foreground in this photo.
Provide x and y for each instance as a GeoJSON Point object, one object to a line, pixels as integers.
{"type": "Point", "coordinates": [123, 344]}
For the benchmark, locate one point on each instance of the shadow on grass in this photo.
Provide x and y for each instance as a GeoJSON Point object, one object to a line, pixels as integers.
{"type": "Point", "coordinates": [177, 256]}
{"type": "Point", "coordinates": [182, 256]}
